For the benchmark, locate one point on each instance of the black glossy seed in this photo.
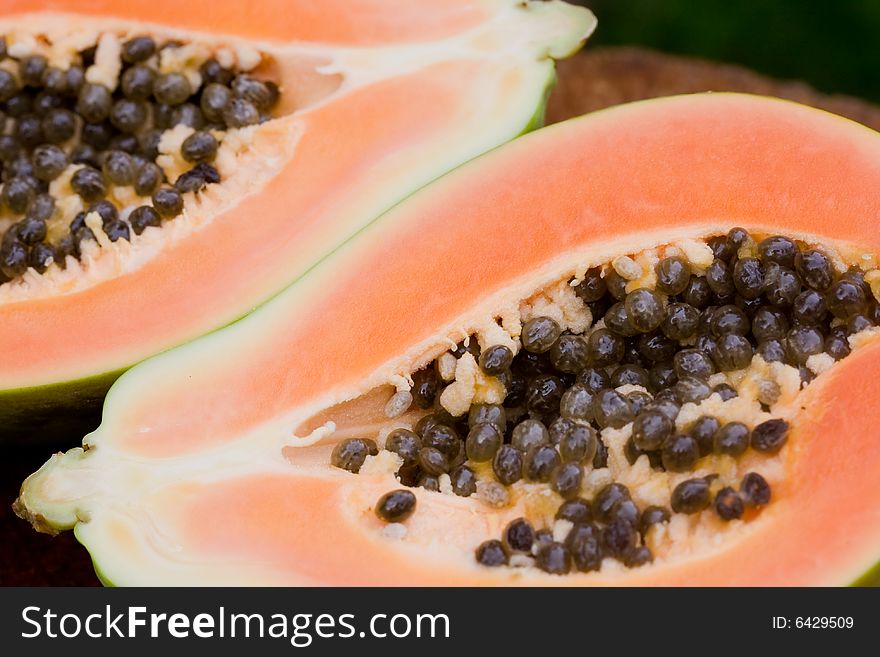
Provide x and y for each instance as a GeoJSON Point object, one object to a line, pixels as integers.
{"type": "Point", "coordinates": [772, 351]}
{"type": "Point", "coordinates": [442, 437]}
{"type": "Point", "coordinates": [681, 321]}
{"type": "Point", "coordinates": [118, 168]}
{"type": "Point", "coordinates": [594, 379]}
{"type": "Point", "coordinates": [803, 342]}
{"type": "Point", "coordinates": [778, 249]}
{"type": "Point", "coordinates": [426, 385]}
{"type": "Point", "coordinates": [89, 184]}
{"type": "Point", "coordinates": [769, 324]}
{"type": "Point", "coordinates": [606, 499]}
{"type": "Point", "coordinates": [13, 258]}
{"type": "Point", "coordinates": [350, 454]}
{"type": "Point", "coordinates": [566, 480]}
{"type": "Point", "coordinates": [190, 181]}
{"type": "Point", "coordinates": [97, 134]}
{"type": "Point", "coordinates": [94, 103]}
{"type": "Point", "coordinates": [593, 287]}
{"type": "Point", "coordinates": [539, 334]}
{"type": "Point", "coordinates": [650, 429]}
{"type": "Point", "coordinates": [116, 230]}
{"type": "Point", "coordinates": [617, 319]}
{"type": "Point", "coordinates": [584, 542]}
{"type": "Point", "coordinates": [579, 444]}
{"type": "Point", "coordinates": [815, 269]}
{"type": "Point", "coordinates": [673, 275]}
{"type": "Point", "coordinates": [629, 375]}
{"type": "Point", "coordinates": [202, 147]}
{"type": "Point", "coordinates": [575, 511]}
{"type": "Point", "coordinates": [600, 460]}
{"type": "Point", "coordinates": [652, 515]}
{"type": "Point", "coordinates": [858, 323]}
{"type": "Point", "coordinates": [9, 147]}
{"type": "Point", "coordinates": [41, 256]}
{"type": "Point", "coordinates": [720, 279]}
{"type": "Point", "coordinates": [127, 115]}
{"type": "Point", "coordinates": [729, 319]}
{"type": "Point", "coordinates": [781, 286]}
{"type": "Point", "coordinates": [690, 496]}
{"type": "Point", "coordinates": [143, 217]}
{"type": "Point", "coordinates": [544, 394]}
{"type": "Point", "coordinates": [433, 461]}
{"type": "Point", "coordinates": [253, 90]}
{"type": "Point", "coordinates": [731, 439]}
{"type": "Point", "coordinates": [31, 69]}
{"type": "Point", "coordinates": [748, 277]}
{"type": "Point", "coordinates": [627, 511]}
{"type": "Point", "coordinates": [405, 443]}
{"type": "Point", "coordinates": [645, 309]}
{"type": "Point", "coordinates": [755, 490]}
{"type": "Point", "coordinates": [639, 400]}
{"type": "Point", "coordinates": [540, 462]}
{"type": "Point", "coordinates": [616, 284]}
{"type": "Point", "coordinates": [396, 506]}
{"type": "Point", "coordinates": [214, 99]}
{"type": "Point", "coordinates": [570, 354]}
{"type": "Point", "coordinates": [577, 403]}
{"type": "Point", "coordinates": [8, 85]}
{"type": "Point", "coordinates": [18, 192]}
{"type": "Point", "coordinates": [483, 441]}
{"type": "Point", "coordinates": [507, 464]}
{"type": "Point", "coordinates": [692, 390]}
{"type": "Point", "coordinates": [721, 247]}
{"type": "Point", "coordinates": [30, 130]}
{"type": "Point", "coordinates": [612, 409]}
{"type": "Point", "coordinates": [680, 453]}
{"type": "Point", "coordinates": [464, 481]}
{"type": "Point", "coordinates": [605, 348]}
{"type": "Point", "coordinates": [638, 557]}
{"type": "Point", "coordinates": [187, 114]}
{"type": "Point", "coordinates": [703, 430]}
{"type": "Point", "coordinates": [837, 347]}
{"type": "Point", "coordinates": [732, 352]}
{"type": "Point", "coordinates": [553, 558]}
{"type": "Point", "coordinates": [49, 161]}
{"type": "Point", "coordinates": [31, 230]}
{"type": "Point", "coordinates": [769, 436]}
{"type": "Point", "coordinates": [496, 359]}
{"type": "Point", "coordinates": [518, 536]}
{"type": "Point", "coordinates": [728, 504]}
{"type": "Point", "coordinates": [171, 88]}
{"type": "Point", "coordinates": [41, 207]}
{"type": "Point", "coordinates": [168, 202]}
{"type": "Point", "coordinates": [698, 293]}
{"type": "Point", "coordinates": [693, 363]}
{"type": "Point", "coordinates": [809, 308]}
{"type": "Point", "coordinates": [239, 113]}
{"type": "Point", "coordinates": [657, 347]}
{"type": "Point", "coordinates": [106, 210]}
{"type": "Point", "coordinates": [429, 482]}
{"type": "Point", "coordinates": [58, 125]}
{"type": "Point", "coordinates": [147, 181]}
{"type": "Point", "coordinates": [845, 298]}
{"type": "Point", "coordinates": [212, 72]}
{"type": "Point", "coordinates": [619, 538]}
{"type": "Point", "coordinates": [137, 49]}
{"type": "Point", "coordinates": [528, 434]}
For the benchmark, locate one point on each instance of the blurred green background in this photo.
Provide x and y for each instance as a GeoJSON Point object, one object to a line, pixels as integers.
{"type": "Point", "coordinates": [833, 45]}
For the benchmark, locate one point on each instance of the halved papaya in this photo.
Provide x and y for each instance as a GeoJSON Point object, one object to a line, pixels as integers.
{"type": "Point", "coordinates": [167, 168]}
{"type": "Point", "coordinates": [655, 325]}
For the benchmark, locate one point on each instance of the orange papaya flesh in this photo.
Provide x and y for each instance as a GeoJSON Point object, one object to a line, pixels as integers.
{"type": "Point", "coordinates": [241, 490]}
{"type": "Point", "coordinates": [366, 116]}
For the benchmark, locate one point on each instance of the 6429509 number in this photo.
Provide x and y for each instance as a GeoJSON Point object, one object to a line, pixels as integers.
{"type": "Point", "coordinates": [824, 622]}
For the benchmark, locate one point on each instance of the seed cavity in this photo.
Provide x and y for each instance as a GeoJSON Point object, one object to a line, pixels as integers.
{"type": "Point", "coordinates": [619, 414]}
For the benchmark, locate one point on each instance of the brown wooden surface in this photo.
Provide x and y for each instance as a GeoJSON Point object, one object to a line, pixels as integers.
{"type": "Point", "coordinates": [598, 78]}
